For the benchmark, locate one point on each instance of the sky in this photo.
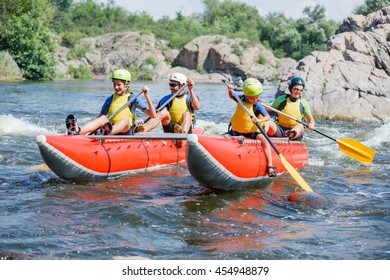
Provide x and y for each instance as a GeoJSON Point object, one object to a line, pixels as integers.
{"type": "Point", "coordinates": [335, 9]}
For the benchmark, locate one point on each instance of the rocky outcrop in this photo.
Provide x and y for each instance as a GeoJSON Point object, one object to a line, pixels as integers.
{"type": "Point", "coordinates": [236, 57]}
{"type": "Point", "coordinates": [206, 59]}
{"type": "Point", "coordinates": [9, 70]}
{"type": "Point", "coordinates": [352, 79]}
{"type": "Point", "coordinates": [109, 52]}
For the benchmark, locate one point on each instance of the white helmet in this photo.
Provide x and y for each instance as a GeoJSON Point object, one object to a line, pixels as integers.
{"type": "Point", "coordinates": [178, 77]}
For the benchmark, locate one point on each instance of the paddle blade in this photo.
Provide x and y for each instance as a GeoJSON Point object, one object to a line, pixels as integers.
{"type": "Point", "coordinates": [356, 150]}
{"type": "Point", "coordinates": [294, 173]}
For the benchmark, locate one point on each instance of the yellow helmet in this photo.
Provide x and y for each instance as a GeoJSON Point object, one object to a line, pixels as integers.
{"type": "Point", "coordinates": [252, 87]}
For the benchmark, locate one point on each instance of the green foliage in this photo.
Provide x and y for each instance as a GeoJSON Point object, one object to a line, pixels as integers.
{"type": "Point", "coordinates": [83, 72]}
{"type": "Point", "coordinates": [200, 69]}
{"type": "Point", "coordinates": [285, 39]}
{"type": "Point", "coordinates": [151, 61]}
{"type": "Point", "coordinates": [315, 14]}
{"type": "Point", "coordinates": [229, 17]}
{"type": "Point", "coordinates": [134, 71]}
{"type": "Point", "coordinates": [146, 75]}
{"type": "Point", "coordinates": [176, 62]}
{"type": "Point", "coordinates": [371, 6]}
{"type": "Point", "coordinates": [25, 35]}
{"type": "Point", "coordinates": [236, 50]}
{"type": "Point", "coordinates": [178, 31]}
{"type": "Point", "coordinates": [262, 59]}
{"type": "Point", "coordinates": [79, 52]}
{"type": "Point", "coordinates": [7, 68]}
{"type": "Point", "coordinates": [71, 39]}
{"type": "Point", "coordinates": [26, 26]}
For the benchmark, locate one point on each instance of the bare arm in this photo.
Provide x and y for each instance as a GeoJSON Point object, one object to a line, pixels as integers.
{"type": "Point", "coordinates": [151, 112]}
{"type": "Point", "coordinates": [311, 122]}
{"type": "Point", "coordinates": [263, 119]}
{"type": "Point", "coordinates": [230, 87]}
{"type": "Point", "coordinates": [194, 99]}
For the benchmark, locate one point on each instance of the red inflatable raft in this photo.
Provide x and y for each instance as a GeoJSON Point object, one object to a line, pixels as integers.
{"type": "Point", "coordinates": [233, 163]}
{"type": "Point", "coordinates": [89, 158]}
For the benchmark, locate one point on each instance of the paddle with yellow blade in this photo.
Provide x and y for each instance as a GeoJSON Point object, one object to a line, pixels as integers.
{"type": "Point", "coordinates": [350, 147]}
{"type": "Point", "coordinates": [44, 167]}
{"type": "Point", "coordinates": [293, 172]}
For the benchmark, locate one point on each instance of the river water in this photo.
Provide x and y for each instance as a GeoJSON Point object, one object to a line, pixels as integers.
{"type": "Point", "coordinates": [166, 214]}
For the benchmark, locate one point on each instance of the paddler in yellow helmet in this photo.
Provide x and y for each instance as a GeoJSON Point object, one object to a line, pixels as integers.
{"type": "Point", "coordinates": [124, 121]}
{"type": "Point", "coordinates": [242, 124]}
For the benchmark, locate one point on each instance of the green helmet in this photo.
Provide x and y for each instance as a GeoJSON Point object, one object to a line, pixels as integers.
{"type": "Point", "coordinates": [121, 74]}
{"type": "Point", "coordinates": [252, 87]}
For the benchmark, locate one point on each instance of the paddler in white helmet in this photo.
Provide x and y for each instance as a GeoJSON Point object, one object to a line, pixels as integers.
{"type": "Point", "coordinates": [178, 115]}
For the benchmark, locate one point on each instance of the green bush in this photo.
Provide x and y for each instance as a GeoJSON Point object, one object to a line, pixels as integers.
{"type": "Point", "coordinates": [82, 73]}
{"type": "Point", "coordinates": [71, 39]}
{"type": "Point", "coordinates": [79, 52]}
{"type": "Point", "coordinates": [146, 75]}
{"type": "Point", "coordinates": [236, 50]}
{"type": "Point", "coordinates": [200, 69]}
{"type": "Point", "coordinates": [262, 59]}
{"type": "Point", "coordinates": [151, 61]}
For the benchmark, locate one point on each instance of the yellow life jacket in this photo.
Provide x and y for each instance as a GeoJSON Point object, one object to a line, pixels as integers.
{"type": "Point", "coordinates": [178, 108]}
{"type": "Point", "coordinates": [241, 122]}
{"type": "Point", "coordinates": [293, 109]}
{"type": "Point", "coordinates": [117, 102]}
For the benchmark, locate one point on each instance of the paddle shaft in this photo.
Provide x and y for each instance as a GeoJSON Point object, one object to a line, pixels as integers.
{"type": "Point", "coordinates": [124, 106]}
{"type": "Point", "coordinates": [295, 119]}
{"type": "Point", "coordinates": [285, 163]}
{"type": "Point", "coordinates": [350, 147]}
{"type": "Point", "coordinates": [259, 126]}
{"type": "Point", "coordinates": [166, 102]}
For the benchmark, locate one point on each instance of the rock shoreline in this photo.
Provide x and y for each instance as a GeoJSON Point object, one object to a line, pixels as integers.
{"type": "Point", "coordinates": [349, 81]}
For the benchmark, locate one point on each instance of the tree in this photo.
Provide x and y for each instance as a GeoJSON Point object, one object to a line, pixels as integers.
{"type": "Point", "coordinates": [285, 39]}
{"type": "Point", "coordinates": [232, 18]}
{"type": "Point", "coordinates": [371, 6]}
{"type": "Point", "coordinates": [315, 14]}
{"type": "Point", "coordinates": [24, 33]}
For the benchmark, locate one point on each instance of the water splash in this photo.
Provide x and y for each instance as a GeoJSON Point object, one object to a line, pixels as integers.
{"type": "Point", "coordinates": [380, 135]}
{"type": "Point", "coordinates": [212, 128]}
{"type": "Point", "coordinates": [9, 125]}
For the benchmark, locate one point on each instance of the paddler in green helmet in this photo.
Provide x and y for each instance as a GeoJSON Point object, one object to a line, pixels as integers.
{"type": "Point", "coordinates": [123, 120]}
{"type": "Point", "coordinates": [242, 124]}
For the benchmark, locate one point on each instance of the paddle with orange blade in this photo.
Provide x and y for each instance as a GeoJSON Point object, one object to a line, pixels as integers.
{"type": "Point", "coordinates": [350, 147]}
{"type": "Point", "coordinates": [293, 172]}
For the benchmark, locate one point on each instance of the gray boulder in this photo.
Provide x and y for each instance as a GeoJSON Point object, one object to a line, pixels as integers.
{"type": "Point", "coordinates": [235, 57]}
{"type": "Point", "coordinates": [351, 80]}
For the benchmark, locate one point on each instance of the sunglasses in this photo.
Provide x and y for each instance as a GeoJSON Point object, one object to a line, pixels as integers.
{"type": "Point", "coordinates": [297, 89]}
{"type": "Point", "coordinates": [173, 85]}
